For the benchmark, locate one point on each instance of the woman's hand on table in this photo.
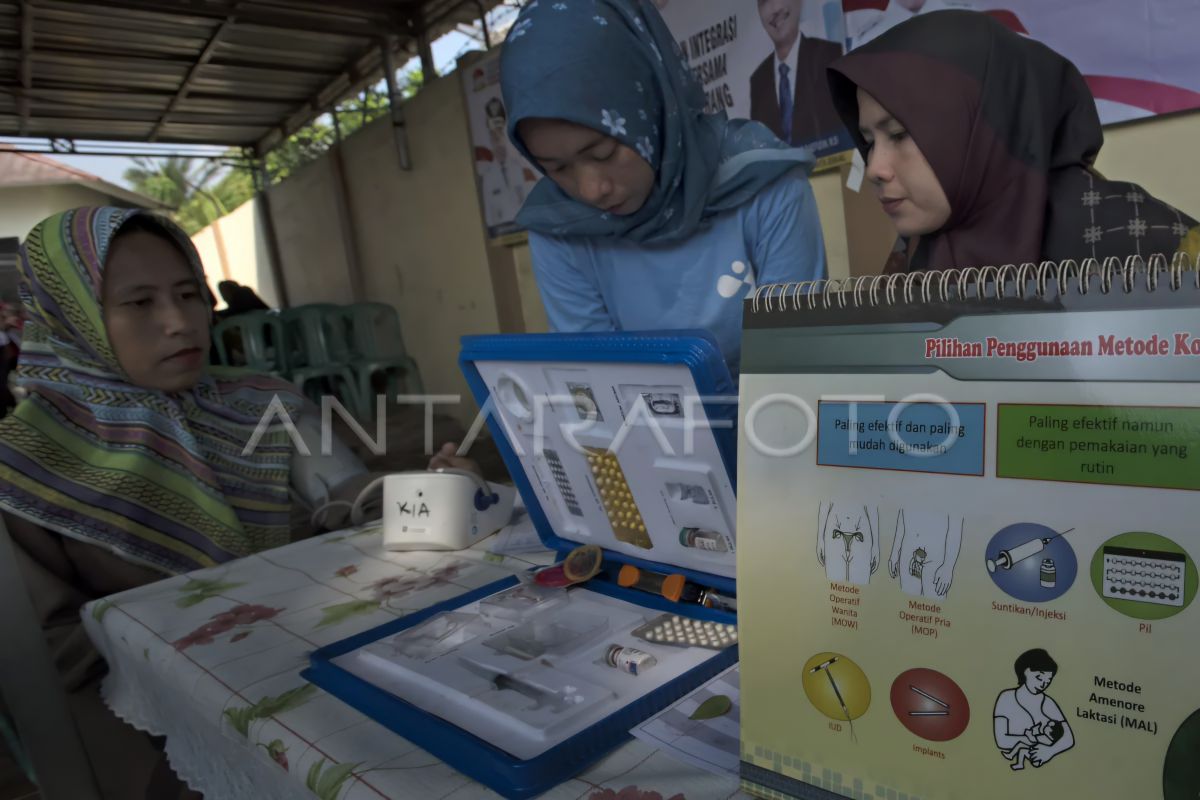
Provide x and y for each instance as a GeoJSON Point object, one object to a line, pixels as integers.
{"type": "Point", "coordinates": [448, 458]}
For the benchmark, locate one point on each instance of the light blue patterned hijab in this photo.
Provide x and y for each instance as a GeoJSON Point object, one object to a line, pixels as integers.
{"type": "Point", "coordinates": [613, 66]}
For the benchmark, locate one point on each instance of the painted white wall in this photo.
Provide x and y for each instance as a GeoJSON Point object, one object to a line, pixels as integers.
{"type": "Point", "coordinates": [22, 207]}
{"type": "Point", "coordinates": [234, 248]}
{"type": "Point", "coordinates": [419, 236]}
{"type": "Point", "coordinates": [1160, 155]}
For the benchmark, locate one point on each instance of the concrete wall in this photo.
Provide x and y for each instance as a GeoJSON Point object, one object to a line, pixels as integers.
{"type": "Point", "coordinates": [22, 207]}
{"type": "Point", "coordinates": [312, 256]}
{"type": "Point", "coordinates": [417, 236]}
{"type": "Point", "coordinates": [234, 248]}
{"type": "Point", "coordinates": [419, 233]}
{"type": "Point", "coordinates": [827, 188]}
{"type": "Point", "coordinates": [531, 300]}
{"type": "Point", "coordinates": [1160, 154]}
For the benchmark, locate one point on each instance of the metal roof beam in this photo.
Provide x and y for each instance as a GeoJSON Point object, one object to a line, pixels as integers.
{"type": "Point", "coordinates": [88, 151]}
{"type": "Point", "coordinates": [179, 11]}
{"type": "Point", "coordinates": [357, 73]}
{"type": "Point", "coordinates": [205, 56]}
{"type": "Point", "coordinates": [26, 67]}
{"type": "Point", "coordinates": [217, 99]}
{"type": "Point", "coordinates": [157, 63]}
{"type": "Point", "coordinates": [286, 18]}
{"type": "Point", "coordinates": [365, 7]}
{"type": "Point", "coordinates": [80, 120]}
{"type": "Point", "coordinates": [198, 60]}
{"type": "Point", "coordinates": [119, 100]}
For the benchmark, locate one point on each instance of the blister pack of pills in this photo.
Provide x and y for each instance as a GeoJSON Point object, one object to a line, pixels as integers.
{"type": "Point", "coordinates": [677, 631]}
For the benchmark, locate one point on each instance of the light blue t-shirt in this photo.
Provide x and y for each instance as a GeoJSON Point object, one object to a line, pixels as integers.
{"type": "Point", "coordinates": [608, 284]}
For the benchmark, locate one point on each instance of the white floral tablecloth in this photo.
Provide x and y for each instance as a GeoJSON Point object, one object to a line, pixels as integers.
{"type": "Point", "coordinates": [212, 661]}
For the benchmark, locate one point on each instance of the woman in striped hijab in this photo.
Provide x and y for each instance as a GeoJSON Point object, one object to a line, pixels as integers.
{"type": "Point", "coordinates": [127, 440]}
{"type": "Point", "coordinates": [130, 459]}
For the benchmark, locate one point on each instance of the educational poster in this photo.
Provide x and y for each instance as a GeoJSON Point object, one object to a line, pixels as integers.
{"type": "Point", "coordinates": [504, 177]}
{"type": "Point", "coordinates": [968, 562]}
{"type": "Point", "coordinates": [1139, 57]}
{"type": "Point", "coordinates": [765, 60]}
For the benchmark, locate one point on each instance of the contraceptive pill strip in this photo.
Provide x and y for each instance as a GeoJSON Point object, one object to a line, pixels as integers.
{"type": "Point", "coordinates": [677, 631]}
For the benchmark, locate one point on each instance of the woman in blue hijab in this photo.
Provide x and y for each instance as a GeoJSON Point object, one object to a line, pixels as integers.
{"type": "Point", "coordinates": [656, 215]}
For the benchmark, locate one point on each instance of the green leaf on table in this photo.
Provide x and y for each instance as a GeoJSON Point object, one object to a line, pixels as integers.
{"type": "Point", "coordinates": [327, 783]}
{"type": "Point", "coordinates": [289, 700]}
{"type": "Point", "coordinates": [716, 706]}
{"type": "Point", "coordinates": [339, 613]}
{"type": "Point", "coordinates": [205, 585]}
{"type": "Point", "coordinates": [102, 608]}
{"type": "Point", "coordinates": [314, 772]}
{"type": "Point", "coordinates": [197, 591]}
{"type": "Point", "coordinates": [241, 718]}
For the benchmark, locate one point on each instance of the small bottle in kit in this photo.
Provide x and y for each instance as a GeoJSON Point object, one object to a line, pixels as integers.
{"type": "Point", "coordinates": [629, 659]}
{"type": "Point", "coordinates": [1048, 574]}
{"type": "Point", "coordinates": [710, 599]}
{"type": "Point", "coordinates": [702, 539]}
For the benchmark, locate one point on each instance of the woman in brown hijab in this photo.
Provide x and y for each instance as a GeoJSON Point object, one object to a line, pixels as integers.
{"type": "Point", "coordinates": [980, 144]}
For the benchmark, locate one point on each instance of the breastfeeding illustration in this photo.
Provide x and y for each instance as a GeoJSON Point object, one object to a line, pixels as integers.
{"type": "Point", "coordinates": [1030, 727]}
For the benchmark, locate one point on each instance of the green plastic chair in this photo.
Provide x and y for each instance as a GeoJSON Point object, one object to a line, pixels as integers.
{"type": "Point", "coordinates": [374, 331]}
{"type": "Point", "coordinates": [254, 340]}
{"type": "Point", "coordinates": [319, 355]}
{"type": "Point", "coordinates": [377, 350]}
{"type": "Point", "coordinates": [338, 380]}
{"type": "Point", "coordinates": [315, 335]}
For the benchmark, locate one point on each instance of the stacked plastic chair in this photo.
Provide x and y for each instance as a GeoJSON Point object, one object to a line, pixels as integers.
{"type": "Point", "coordinates": [353, 352]}
{"type": "Point", "coordinates": [377, 353]}
{"type": "Point", "coordinates": [318, 355]}
{"type": "Point", "coordinates": [254, 340]}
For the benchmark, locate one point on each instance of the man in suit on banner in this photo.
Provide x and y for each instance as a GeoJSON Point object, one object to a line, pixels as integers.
{"type": "Point", "coordinates": [788, 91]}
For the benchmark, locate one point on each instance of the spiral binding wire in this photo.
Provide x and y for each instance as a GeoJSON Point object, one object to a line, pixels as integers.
{"type": "Point", "coordinates": [1046, 280]}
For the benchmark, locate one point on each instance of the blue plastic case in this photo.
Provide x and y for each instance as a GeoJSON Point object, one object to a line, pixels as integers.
{"type": "Point", "coordinates": [506, 774]}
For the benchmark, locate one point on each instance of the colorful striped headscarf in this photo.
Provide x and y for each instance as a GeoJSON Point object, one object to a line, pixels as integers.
{"type": "Point", "coordinates": [157, 478]}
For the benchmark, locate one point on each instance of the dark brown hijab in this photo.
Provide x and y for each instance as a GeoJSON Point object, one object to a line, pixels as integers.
{"type": "Point", "coordinates": [1011, 131]}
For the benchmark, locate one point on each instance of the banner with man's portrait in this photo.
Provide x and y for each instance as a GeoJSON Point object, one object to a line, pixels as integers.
{"type": "Point", "coordinates": [1140, 57]}
{"type": "Point", "coordinates": [765, 60]}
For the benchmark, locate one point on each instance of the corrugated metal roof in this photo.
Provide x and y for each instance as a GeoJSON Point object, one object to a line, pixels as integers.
{"type": "Point", "coordinates": [227, 72]}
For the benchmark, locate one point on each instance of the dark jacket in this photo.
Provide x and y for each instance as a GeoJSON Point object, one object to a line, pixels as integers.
{"type": "Point", "coordinates": [813, 114]}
